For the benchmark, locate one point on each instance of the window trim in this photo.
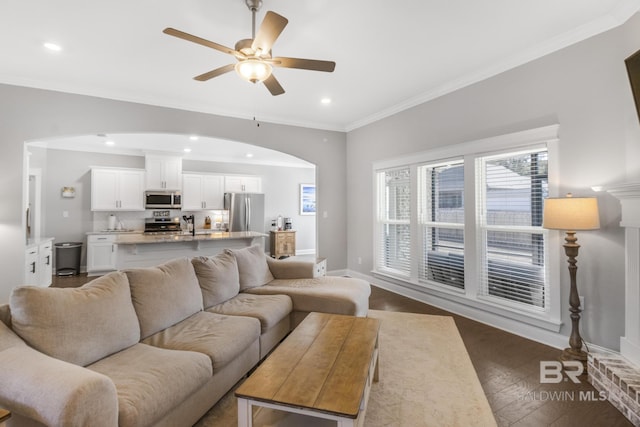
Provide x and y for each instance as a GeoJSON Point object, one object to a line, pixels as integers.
{"type": "Point", "coordinates": [550, 317]}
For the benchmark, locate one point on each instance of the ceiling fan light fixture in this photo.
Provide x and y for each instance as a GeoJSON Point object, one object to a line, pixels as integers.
{"type": "Point", "coordinates": [253, 70]}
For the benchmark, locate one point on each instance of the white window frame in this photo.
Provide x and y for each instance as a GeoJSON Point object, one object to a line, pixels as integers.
{"type": "Point", "coordinates": [548, 318]}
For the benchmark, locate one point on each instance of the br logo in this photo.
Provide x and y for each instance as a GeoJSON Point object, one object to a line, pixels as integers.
{"type": "Point", "coordinates": [551, 371]}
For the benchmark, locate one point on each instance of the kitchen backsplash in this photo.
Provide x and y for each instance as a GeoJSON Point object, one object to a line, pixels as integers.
{"type": "Point", "coordinates": [135, 220]}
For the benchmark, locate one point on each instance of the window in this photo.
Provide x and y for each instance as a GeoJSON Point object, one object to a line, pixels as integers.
{"type": "Point", "coordinates": [463, 223]}
{"type": "Point", "coordinates": [511, 188]}
{"type": "Point", "coordinates": [393, 222]}
{"type": "Point", "coordinates": [442, 223]}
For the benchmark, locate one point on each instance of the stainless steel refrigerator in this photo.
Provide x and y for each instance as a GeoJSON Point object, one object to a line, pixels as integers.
{"type": "Point", "coordinates": [246, 211]}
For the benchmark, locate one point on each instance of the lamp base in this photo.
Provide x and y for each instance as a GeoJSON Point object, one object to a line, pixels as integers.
{"type": "Point", "coordinates": [569, 354]}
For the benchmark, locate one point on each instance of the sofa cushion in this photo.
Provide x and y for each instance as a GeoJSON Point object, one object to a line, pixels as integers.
{"type": "Point", "coordinates": [8, 338]}
{"type": "Point", "coordinates": [222, 338]}
{"type": "Point", "coordinates": [151, 381]}
{"type": "Point", "coordinates": [52, 392]}
{"type": "Point", "coordinates": [5, 314]}
{"type": "Point", "coordinates": [77, 325]}
{"type": "Point", "coordinates": [327, 294]}
{"type": "Point", "coordinates": [268, 309]}
{"type": "Point", "coordinates": [252, 266]}
{"type": "Point", "coordinates": [218, 277]}
{"type": "Point", "coordinates": [164, 295]}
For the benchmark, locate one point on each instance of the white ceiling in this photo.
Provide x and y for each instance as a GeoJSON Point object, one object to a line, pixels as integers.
{"type": "Point", "coordinates": [390, 55]}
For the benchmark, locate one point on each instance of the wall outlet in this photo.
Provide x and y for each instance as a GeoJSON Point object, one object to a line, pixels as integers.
{"type": "Point", "coordinates": [581, 303]}
{"type": "Point", "coordinates": [65, 214]}
{"type": "Point", "coordinates": [359, 260]}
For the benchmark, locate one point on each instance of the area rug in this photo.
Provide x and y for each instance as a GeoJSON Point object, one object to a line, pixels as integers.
{"type": "Point", "coordinates": [426, 378]}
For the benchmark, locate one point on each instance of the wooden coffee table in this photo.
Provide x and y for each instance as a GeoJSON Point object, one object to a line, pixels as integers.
{"type": "Point", "coordinates": [323, 369]}
{"type": "Point", "coordinates": [4, 416]}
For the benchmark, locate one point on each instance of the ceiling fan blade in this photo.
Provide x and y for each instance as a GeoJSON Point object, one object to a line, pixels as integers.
{"type": "Point", "coordinates": [273, 85]}
{"type": "Point", "coordinates": [304, 64]}
{"type": "Point", "coordinates": [195, 39]}
{"type": "Point", "coordinates": [214, 73]}
{"type": "Point", "coordinates": [271, 27]}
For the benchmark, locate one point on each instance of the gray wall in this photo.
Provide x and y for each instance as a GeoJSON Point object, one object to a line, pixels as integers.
{"type": "Point", "coordinates": [29, 114]}
{"type": "Point", "coordinates": [62, 168]}
{"type": "Point", "coordinates": [585, 89]}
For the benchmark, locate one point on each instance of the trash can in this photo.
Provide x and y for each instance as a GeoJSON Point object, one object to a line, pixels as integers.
{"type": "Point", "coordinates": [68, 258]}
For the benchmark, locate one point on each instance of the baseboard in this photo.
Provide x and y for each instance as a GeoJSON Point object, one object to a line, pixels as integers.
{"type": "Point", "coordinates": [342, 272]}
{"type": "Point", "coordinates": [543, 336]}
{"type": "Point", "coordinates": [305, 251]}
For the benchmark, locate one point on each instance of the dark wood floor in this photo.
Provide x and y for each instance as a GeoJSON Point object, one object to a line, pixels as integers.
{"type": "Point", "coordinates": [508, 367]}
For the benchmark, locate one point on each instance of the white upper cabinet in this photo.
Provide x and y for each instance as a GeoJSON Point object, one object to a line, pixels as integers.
{"type": "Point", "coordinates": [115, 189]}
{"type": "Point", "coordinates": [202, 192]}
{"type": "Point", "coordinates": [242, 184]}
{"type": "Point", "coordinates": [163, 172]}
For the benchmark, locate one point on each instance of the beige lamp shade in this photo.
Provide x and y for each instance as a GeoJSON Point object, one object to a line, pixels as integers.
{"type": "Point", "coordinates": [571, 213]}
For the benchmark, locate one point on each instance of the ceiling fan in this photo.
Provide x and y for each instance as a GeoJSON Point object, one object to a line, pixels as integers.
{"type": "Point", "coordinates": [254, 60]}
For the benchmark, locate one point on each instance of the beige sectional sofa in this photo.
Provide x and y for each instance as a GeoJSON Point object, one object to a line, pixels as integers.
{"type": "Point", "coordinates": [155, 346]}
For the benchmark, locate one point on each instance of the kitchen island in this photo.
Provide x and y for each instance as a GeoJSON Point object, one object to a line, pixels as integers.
{"type": "Point", "coordinates": [133, 250]}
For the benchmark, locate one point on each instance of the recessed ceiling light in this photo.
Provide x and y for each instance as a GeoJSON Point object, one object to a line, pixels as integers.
{"type": "Point", "coordinates": [109, 142]}
{"type": "Point", "coordinates": [193, 137]}
{"type": "Point", "coordinates": [249, 155]}
{"type": "Point", "coordinates": [53, 46]}
{"type": "Point", "coordinates": [187, 150]}
{"type": "Point", "coordinates": [326, 101]}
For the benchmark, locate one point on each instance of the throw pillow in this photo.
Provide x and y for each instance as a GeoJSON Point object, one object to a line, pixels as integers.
{"type": "Point", "coordinates": [218, 277]}
{"type": "Point", "coordinates": [252, 267]}
{"type": "Point", "coordinates": [77, 325]}
{"type": "Point", "coordinates": [164, 295]}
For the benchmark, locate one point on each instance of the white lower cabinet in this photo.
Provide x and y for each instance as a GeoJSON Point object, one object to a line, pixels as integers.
{"type": "Point", "coordinates": [31, 266]}
{"type": "Point", "coordinates": [45, 262]}
{"type": "Point", "coordinates": [101, 254]}
{"type": "Point", "coordinates": [39, 264]}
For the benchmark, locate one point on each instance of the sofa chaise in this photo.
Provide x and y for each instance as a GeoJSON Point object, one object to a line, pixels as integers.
{"type": "Point", "coordinates": [155, 346]}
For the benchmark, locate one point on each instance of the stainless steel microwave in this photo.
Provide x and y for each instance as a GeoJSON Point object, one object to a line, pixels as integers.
{"type": "Point", "coordinates": [162, 199]}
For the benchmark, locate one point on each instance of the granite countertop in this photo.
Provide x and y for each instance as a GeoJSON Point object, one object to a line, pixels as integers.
{"type": "Point", "coordinates": [201, 235]}
{"type": "Point", "coordinates": [122, 231]}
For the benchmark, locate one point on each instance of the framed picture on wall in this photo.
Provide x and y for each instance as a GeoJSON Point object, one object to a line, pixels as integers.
{"type": "Point", "coordinates": [307, 199]}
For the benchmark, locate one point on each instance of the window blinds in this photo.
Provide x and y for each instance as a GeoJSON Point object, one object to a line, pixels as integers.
{"type": "Point", "coordinates": [441, 207]}
{"type": "Point", "coordinates": [393, 253]}
{"type": "Point", "coordinates": [511, 189]}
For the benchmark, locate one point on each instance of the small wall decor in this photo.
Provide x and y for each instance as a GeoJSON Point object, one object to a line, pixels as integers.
{"type": "Point", "coordinates": [68, 192]}
{"type": "Point", "coordinates": [307, 199]}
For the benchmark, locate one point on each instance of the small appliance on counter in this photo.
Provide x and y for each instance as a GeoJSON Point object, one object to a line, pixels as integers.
{"type": "Point", "coordinates": [287, 224]}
